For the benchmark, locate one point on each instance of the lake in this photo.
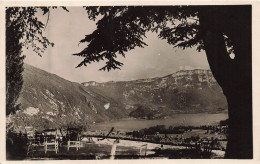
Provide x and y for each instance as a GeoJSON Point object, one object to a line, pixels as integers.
{"type": "Point", "coordinates": [131, 124]}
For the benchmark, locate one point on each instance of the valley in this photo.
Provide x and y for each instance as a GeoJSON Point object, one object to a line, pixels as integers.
{"type": "Point", "coordinates": [185, 107]}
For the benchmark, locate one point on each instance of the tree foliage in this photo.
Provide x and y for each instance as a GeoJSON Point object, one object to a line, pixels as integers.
{"type": "Point", "coordinates": [122, 28]}
{"type": "Point", "coordinates": [23, 29]}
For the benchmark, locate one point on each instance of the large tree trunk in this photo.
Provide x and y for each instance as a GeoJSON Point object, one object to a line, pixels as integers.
{"type": "Point", "coordinates": [233, 75]}
{"type": "Point", "coordinates": [240, 125]}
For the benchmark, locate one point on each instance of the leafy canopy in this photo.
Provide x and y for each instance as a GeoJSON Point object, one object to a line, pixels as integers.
{"type": "Point", "coordinates": [122, 28]}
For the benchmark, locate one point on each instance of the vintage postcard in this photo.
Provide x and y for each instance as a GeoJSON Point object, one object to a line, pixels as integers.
{"type": "Point", "coordinates": [129, 81]}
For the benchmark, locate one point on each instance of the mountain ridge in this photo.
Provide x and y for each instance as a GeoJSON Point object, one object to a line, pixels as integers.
{"type": "Point", "coordinates": [50, 101]}
{"type": "Point", "coordinates": [159, 89]}
{"type": "Point", "coordinates": [145, 79]}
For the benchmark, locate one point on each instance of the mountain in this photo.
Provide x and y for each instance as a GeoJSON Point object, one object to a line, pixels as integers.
{"type": "Point", "coordinates": [186, 91]}
{"type": "Point", "coordinates": [49, 101]}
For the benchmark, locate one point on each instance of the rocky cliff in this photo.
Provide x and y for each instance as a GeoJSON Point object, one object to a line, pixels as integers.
{"type": "Point", "coordinates": [186, 91]}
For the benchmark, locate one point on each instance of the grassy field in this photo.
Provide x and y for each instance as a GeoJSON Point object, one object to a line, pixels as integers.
{"type": "Point", "coordinates": [125, 150]}
{"type": "Point", "coordinates": [175, 120]}
{"type": "Point", "coordinates": [88, 151]}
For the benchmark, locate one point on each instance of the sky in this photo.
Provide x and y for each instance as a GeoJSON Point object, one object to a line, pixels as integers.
{"type": "Point", "coordinates": [66, 29]}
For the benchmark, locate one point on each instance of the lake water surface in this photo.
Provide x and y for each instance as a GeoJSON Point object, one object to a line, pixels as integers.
{"type": "Point", "coordinates": [131, 124]}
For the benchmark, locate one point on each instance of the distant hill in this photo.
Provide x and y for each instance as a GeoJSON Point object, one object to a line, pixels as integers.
{"type": "Point", "coordinates": [50, 101]}
{"type": "Point", "coordinates": [186, 91]}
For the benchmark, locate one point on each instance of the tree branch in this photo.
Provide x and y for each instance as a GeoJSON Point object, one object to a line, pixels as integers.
{"type": "Point", "coordinates": [47, 20]}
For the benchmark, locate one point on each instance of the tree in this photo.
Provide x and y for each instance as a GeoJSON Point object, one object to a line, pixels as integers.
{"type": "Point", "coordinates": [14, 69]}
{"type": "Point", "coordinates": [219, 30]}
{"type": "Point", "coordinates": [23, 29]}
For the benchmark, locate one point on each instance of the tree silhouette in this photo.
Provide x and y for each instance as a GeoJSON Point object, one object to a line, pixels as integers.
{"type": "Point", "coordinates": [219, 30]}
{"type": "Point", "coordinates": [23, 29]}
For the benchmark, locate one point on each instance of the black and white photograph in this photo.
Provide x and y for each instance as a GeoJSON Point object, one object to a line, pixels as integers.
{"type": "Point", "coordinates": [128, 82]}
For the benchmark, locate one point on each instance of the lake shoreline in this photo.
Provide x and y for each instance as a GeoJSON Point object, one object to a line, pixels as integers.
{"type": "Point", "coordinates": [130, 124]}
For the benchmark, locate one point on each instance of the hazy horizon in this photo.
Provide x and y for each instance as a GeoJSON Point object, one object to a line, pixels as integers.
{"type": "Point", "coordinates": [66, 29]}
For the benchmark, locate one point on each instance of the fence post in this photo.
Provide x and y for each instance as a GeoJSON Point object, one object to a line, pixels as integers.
{"type": "Point", "coordinates": [113, 149]}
